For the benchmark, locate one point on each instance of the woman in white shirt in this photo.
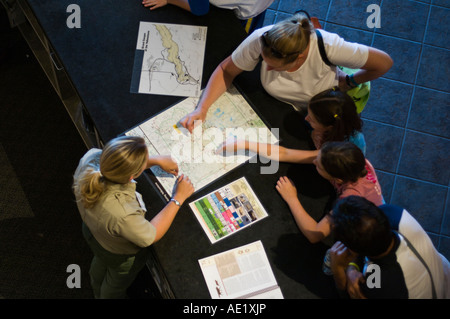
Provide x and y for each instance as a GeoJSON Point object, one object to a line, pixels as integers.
{"type": "Point", "coordinates": [292, 68]}
{"type": "Point", "coordinates": [243, 10]}
{"type": "Point", "coordinates": [250, 12]}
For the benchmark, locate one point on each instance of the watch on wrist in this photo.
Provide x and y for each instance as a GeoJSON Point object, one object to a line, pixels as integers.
{"type": "Point", "coordinates": [351, 81]}
{"type": "Point", "coordinates": [347, 80]}
{"type": "Point", "coordinates": [175, 201]}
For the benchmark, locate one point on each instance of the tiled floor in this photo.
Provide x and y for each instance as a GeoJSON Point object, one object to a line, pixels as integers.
{"type": "Point", "coordinates": [406, 122]}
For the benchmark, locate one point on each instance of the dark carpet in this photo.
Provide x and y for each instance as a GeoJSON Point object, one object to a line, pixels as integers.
{"type": "Point", "coordinates": [40, 228]}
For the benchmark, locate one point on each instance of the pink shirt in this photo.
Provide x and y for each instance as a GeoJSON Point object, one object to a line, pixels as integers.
{"type": "Point", "coordinates": [366, 186]}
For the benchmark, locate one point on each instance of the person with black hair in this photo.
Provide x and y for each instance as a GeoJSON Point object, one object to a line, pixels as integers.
{"type": "Point", "coordinates": [333, 117]}
{"type": "Point", "coordinates": [383, 252]}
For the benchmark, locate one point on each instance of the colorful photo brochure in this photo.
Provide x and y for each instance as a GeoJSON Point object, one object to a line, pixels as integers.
{"type": "Point", "coordinates": [228, 210]}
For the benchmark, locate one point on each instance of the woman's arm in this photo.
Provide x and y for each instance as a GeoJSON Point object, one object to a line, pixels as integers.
{"type": "Point", "coordinates": [377, 64]}
{"type": "Point", "coordinates": [184, 4]}
{"type": "Point", "coordinates": [163, 220]}
{"type": "Point", "coordinates": [219, 82]}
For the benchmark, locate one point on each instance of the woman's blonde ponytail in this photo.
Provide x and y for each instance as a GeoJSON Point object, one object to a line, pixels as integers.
{"type": "Point", "coordinates": [122, 158]}
{"type": "Point", "coordinates": [89, 186]}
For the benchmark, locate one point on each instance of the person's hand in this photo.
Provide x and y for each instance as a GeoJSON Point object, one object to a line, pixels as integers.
{"type": "Point", "coordinates": [343, 86]}
{"type": "Point", "coordinates": [192, 119]}
{"type": "Point", "coordinates": [231, 145]}
{"type": "Point", "coordinates": [340, 256]}
{"type": "Point", "coordinates": [354, 278]}
{"type": "Point", "coordinates": [168, 164]}
{"type": "Point", "coordinates": [183, 188]}
{"type": "Point", "coordinates": [153, 4]}
{"type": "Point", "coordinates": [286, 189]}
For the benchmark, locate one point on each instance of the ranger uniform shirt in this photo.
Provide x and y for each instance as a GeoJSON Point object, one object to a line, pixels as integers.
{"type": "Point", "coordinates": [117, 221]}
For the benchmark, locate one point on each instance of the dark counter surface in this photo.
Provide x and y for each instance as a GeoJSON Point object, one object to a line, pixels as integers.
{"type": "Point", "coordinates": [296, 263]}
{"type": "Point", "coordinates": [99, 58]}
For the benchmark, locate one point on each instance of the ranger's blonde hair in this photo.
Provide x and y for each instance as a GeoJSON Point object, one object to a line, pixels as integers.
{"type": "Point", "coordinates": [288, 38]}
{"type": "Point", "coordinates": [121, 159]}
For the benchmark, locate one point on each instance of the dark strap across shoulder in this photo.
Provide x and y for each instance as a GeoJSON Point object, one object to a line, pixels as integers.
{"type": "Point", "coordinates": [317, 25]}
{"type": "Point", "coordinates": [413, 249]}
{"type": "Point", "coordinates": [321, 46]}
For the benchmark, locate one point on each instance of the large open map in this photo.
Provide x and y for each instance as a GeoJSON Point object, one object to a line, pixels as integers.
{"type": "Point", "coordinates": [169, 59]}
{"type": "Point", "coordinates": [230, 117]}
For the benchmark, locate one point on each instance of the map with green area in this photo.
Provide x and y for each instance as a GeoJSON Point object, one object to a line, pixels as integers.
{"type": "Point", "coordinates": [231, 116]}
{"type": "Point", "coordinates": [169, 59]}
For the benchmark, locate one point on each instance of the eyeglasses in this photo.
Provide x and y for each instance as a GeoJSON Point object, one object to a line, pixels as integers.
{"type": "Point", "coordinates": [275, 53]}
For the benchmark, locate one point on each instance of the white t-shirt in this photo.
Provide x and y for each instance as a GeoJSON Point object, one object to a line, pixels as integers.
{"type": "Point", "coordinates": [402, 273]}
{"type": "Point", "coordinates": [313, 77]}
{"type": "Point", "coordinates": [245, 9]}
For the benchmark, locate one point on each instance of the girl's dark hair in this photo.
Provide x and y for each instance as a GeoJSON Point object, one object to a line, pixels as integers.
{"type": "Point", "coordinates": [343, 160]}
{"type": "Point", "coordinates": [336, 109]}
{"type": "Point", "coordinates": [361, 226]}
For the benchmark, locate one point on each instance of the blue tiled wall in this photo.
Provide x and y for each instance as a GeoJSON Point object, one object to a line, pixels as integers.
{"type": "Point", "coordinates": [406, 122]}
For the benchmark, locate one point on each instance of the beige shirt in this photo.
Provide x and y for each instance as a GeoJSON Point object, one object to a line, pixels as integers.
{"type": "Point", "coordinates": [117, 221]}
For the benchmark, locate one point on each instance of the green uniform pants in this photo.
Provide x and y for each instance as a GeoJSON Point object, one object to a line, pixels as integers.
{"type": "Point", "coordinates": [112, 274]}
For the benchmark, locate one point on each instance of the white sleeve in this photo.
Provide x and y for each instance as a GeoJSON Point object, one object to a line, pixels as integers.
{"type": "Point", "coordinates": [247, 54]}
{"type": "Point", "coordinates": [340, 52]}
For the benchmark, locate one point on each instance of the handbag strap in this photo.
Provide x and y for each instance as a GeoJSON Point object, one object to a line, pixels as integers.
{"type": "Point", "coordinates": [316, 23]}
{"type": "Point", "coordinates": [321, 46]}
{"type": "Point", "coordinates": [414, 250]}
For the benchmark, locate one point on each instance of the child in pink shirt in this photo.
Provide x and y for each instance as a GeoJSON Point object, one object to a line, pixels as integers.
{"type": "Point", "coordinates": [351, 173]}
{"type": "Point", "coordinates": [344, 165]}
